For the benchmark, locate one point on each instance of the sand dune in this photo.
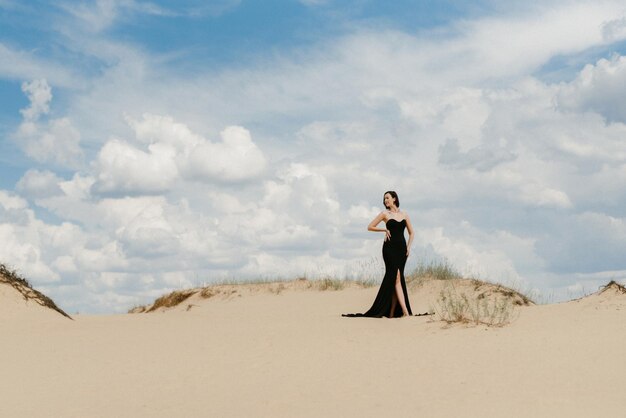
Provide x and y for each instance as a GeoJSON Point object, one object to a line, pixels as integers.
{"type": "Point", "coordinates": [288, 352]}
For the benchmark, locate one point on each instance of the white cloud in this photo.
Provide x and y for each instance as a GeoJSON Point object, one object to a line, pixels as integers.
{"type": "Point", "coordinates": [38, 184]}
{"type": "Point", "coordinates": [124, 169]}
{"type": "Point", "coordinates": [99, 15]}
{"type": "Point", "coordinates": [615, 29]}
{"type": "Point", "coordinates": [163, 129]}
{"type": "Point", "coordinates": [149, 234]}
{"type": "Point", "coordinates": [39, 94]}
{"type": "Point", "coordinates": [475, 253]}
{"type": "Point", "coordinates": [234, 159]}
{"type": "Point", "coordinates": [25, 65]}
{"type": "Point", "coordinates": [174, 151]}
{"type": "Point", "coordinates": [517, 45]}
{"type": "Point", "coordinates": [57, 141]}
{"type": "Point", "coordinates": [96, 16]}
{"type": "Point", "coordinates": [537, 195]}
{"type": "Point", "coordinates": [22, 238]}
{"type": "Point", "coordinates": [480, 158]}
{"type": "Point", "coordinates": [600, 87]}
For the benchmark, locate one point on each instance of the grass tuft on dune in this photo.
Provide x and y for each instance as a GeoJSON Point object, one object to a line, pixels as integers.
{"type": "Point", "coordinates": [22, 285]}
{"type": "Point", "coordinates": [613, 285]}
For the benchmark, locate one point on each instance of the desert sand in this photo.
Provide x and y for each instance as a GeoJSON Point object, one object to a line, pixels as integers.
{"type": "Point", "coordinates": [289, 353]}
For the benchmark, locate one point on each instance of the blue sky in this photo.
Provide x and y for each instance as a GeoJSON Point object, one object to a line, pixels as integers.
{"type": "Point", "coordinates": [146, 146]}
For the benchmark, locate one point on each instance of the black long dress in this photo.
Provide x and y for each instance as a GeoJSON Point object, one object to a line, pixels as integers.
{"type": "Point", "coordinates": [394, 254]}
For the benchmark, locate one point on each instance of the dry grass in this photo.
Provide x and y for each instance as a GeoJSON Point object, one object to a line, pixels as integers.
{"type": "Point", "coordinates": [22, 285]}
{"type": "Point", "coordinates": [367, 283]}
{"type": "Point", "coordinates": [490, 304]}
{"type": "Point", "coordinates": [330, 284]}
{"type": "Point", "coordinates": [170, 300]}
{"type": "Point", "coordinates": [487, 289]}
{"type": "Point", "coordinates": [613, 285]}
{"type": "Point", "coordinates": [438, 270]}
{"type": "Point", "coordinates": [138, 309]}
{"type": "Point", "coordinates": [208, 292]}
{"type": "Point", "coordinates": [487, 303]}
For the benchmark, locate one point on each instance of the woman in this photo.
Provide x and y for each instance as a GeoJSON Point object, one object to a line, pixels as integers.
{"type": "Point", "coordinates": [392, 299]}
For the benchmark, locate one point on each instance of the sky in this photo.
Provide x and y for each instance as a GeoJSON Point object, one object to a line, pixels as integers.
{"type": "Point", "coordinates": [147, 146]}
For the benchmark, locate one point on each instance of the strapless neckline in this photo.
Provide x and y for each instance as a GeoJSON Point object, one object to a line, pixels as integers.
{"type": "Point", "coordinates": [391, 219]}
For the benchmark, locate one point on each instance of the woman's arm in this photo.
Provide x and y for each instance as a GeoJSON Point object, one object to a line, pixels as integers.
{"type": "Point", "coordinates": [409, 228]}
{"type": "Point", "coordinates": [378, 219]}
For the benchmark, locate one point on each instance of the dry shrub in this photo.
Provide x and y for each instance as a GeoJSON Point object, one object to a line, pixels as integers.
{"type": "Point", "coordinates": [173, 299]}
{"type": "Point", "coordinates": [490, 289]}
{"type": "Point", "coordinates": [22, 285]}
{"type": "Point", "coordinates": [277, 290]}
{"type": "Point", "coordinates": [330, 284]}
{"type": "Point", "coordinates": [613, 285]}
{"type": "Point", "coordinates": [138, 309]}
{"type": "Point", "coordinates": [208, 292]}
{"type": "Point", "coordinates": [495, 309]}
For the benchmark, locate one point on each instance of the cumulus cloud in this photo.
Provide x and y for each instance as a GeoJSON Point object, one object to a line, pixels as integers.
{"type": "Point", "coordinates": [599, 87]}
{"type": "Point", "coordinates": [124, 169]}
{"type": "Point", "coordinates": [57, 141]}
{"type": "Point", "coordinates": [23, 237]}
{"type": "Point", "coordinates": [304, 191]}
{"type": "Point", "coordinates": [152, 129]}
{"type": "Point", "coordinates": [149, 234]}
{"type": "Point", "coordinates": [38, 184]}
{"type": "Point", "coordinates": [174, 152]}
{"type": "Point", "coordinates": [39, 94]}
{"type": "Point", "coordinates": [297, 210]}
{"type": "Point", "coordinates": [235, 158]}
{"type": "Point", "coordinates": [614, 29]}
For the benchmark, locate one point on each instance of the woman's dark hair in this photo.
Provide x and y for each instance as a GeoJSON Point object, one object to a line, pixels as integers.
{"type": "Point", "coordinates": [395, 197]}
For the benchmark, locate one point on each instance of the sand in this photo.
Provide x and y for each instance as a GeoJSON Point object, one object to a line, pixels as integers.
{"type": "Point", "coordinates": [292, 354]}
